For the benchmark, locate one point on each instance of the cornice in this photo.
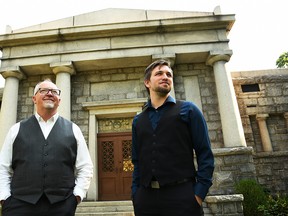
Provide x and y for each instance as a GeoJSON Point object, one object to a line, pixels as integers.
{"type": "Point", "coordinates": [118, 29]}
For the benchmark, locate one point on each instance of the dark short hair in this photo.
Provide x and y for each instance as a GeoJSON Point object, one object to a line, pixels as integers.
{"type": "Point", "coordinates": [150, 68]}
{"type": "Point", "coordinates": [153, 65]}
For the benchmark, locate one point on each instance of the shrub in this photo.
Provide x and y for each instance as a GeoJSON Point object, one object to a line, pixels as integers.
{"type": "Point", "coordinates": [277, 206]}
{"type": "Point", "coordinates": [254, 195]}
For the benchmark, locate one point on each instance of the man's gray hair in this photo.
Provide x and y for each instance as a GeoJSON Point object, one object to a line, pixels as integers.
{"type": "Point", "coordinates": [37, 87]}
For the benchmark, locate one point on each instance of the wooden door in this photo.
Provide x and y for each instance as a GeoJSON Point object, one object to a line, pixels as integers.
{"type": "Point", "coordinates": [115, 166]}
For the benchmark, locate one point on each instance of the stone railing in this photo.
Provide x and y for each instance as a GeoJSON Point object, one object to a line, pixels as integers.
{"type": "Point", "coordinates": [228, 205]}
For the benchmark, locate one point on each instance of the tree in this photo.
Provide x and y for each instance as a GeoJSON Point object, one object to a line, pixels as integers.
{"type": "Point", "coordinates": [282, 61]}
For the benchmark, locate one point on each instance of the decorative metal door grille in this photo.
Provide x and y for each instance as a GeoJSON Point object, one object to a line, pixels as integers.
{"type": "Point", "coordinates": [127, 155]}
{"type": "Point", "coordinates": [108, 156]}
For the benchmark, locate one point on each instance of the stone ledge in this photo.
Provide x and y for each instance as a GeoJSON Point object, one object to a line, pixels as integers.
{"type": "Point", "coordinates": [224, 198]}
{"type": "Point", "coordinates": [233, 151]}
{"type": "Point", "coordinates": [269, 154]}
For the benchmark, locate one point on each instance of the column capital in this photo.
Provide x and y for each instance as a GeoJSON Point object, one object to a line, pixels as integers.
{"type": "Point", "coordinates": [260, 117]}
{"type": "Point", "coordinates": [218, 55]}
{"type": "Point", "coordinates": [12, 72]}
{"type": "Point", "coordinates": [63, 67]}
{"type": "Point", "coordinates": [171, 57]}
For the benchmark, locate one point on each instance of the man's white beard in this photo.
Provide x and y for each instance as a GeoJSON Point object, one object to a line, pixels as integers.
{"type": "Point", "coordinates": [49, 105]}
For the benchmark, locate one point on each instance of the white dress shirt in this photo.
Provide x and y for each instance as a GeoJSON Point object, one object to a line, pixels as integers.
{"type": "Point", "coordinates": [83, 166]}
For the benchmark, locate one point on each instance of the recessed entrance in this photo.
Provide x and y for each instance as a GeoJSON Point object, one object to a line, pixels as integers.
{"type": "Point", "coordinates": [115, 166]}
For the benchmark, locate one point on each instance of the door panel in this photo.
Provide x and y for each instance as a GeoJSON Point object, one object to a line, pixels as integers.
{"type": "Point", "coordinates": [115, 166]}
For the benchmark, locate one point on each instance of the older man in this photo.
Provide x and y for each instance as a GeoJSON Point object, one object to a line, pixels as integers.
{"type": "Point", "coordinates": [45, 167]}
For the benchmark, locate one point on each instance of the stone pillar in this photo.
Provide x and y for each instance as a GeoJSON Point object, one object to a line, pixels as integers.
{"type": "Point", "coordinates": [8, 115]}
{"type": "Point", "coordinates": [264, 133]}
{"type": "Point", "coordinates": [63, 71]}
{"type": "Point", "coordinates": [192, 90]}
{"type": "Point", "coordinates": [233, 133]}
{"type": "Point", "coordinates": [93, 192]}
{"type": "Point", "coordinates": [171, 58]}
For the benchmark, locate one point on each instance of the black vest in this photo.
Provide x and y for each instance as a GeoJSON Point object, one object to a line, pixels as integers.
{"type": "Point", "coordinates": [166, 152]}
{"type": "Point", "coordinates": [43, 166]}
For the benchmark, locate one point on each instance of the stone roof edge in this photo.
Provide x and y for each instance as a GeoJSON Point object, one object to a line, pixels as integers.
{"type": "Point", "coordinates": [258, 73]}
{"type": "Point", "coordinates": [101, 17]}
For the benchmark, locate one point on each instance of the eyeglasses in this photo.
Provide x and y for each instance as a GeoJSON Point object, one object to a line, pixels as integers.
{"type": "Point", "coordinates": [44, 91]}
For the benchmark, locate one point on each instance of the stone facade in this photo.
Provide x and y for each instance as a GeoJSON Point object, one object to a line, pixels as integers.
{"type": "Point", "coordinates": [99, 65]}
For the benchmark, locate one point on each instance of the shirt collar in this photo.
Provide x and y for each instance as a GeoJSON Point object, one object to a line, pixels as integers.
{"type": "Point", "coordinates": [52, 119]}
{"type": "Point", "coordinates": [169, 99]}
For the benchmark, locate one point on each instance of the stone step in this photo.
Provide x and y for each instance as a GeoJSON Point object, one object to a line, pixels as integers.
{"type": "Point", "coordinates": [106, 214]}
{"type": "Point", "coordinates": [114, 208]}
{"type": "Point", "coordinates": [105, 208]}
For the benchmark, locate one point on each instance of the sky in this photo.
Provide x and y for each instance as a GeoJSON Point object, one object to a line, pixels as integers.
{"type": "Point", "coordinates": [257, 38]}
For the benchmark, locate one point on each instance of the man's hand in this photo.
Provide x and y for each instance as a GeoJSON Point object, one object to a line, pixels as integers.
{"type": "Point", "coordinates": [199, 200]}
{"type": "Point", "coordinates": [78, 198]}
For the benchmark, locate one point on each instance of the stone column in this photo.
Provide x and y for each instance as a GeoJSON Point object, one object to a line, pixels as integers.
{"type": "Point", "coordinates": [171, 58]}
{"type": "Point", "coordinates": [93, 192]}
{"type": "Point", "coordinates": [264, 133]}
{"type": "Point", "coordinates": [8, 115]}
{"type": "Point", "coordinates": [233, 133]}
{"type": "Point", "coordinates": [63, 71]}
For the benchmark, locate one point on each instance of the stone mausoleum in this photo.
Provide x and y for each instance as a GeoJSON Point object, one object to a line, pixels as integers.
{"type": "Point", "coordinates": [98, 59]}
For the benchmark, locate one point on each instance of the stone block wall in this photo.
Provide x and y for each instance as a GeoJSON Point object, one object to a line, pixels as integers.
{"type": "Point", "coordinates": [272, 169]}
{"type": "Point", "coordinates": [104, 85]}
{"type": "Point", "coordinates": [231, 165]}
{"type": "Point", "coordinates": [266, 92]}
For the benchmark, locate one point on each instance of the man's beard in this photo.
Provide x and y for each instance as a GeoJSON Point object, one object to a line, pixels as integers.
{"type": "Point", "coordinates": [162, 91]}
{"type": "Point", "coordinates": [49, 105]}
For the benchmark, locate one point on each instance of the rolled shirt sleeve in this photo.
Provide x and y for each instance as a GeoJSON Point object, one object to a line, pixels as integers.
{"type": "Point", "coordinates": [83, 166]}
{"type": "Point", "coordinates": [6, 171]}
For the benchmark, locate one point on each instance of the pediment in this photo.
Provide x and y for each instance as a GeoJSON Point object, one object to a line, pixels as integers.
{"type": "Point", "coordinates": [111, 15]}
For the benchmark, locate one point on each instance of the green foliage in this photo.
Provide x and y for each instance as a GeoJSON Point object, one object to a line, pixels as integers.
{"type": "Point", "coordinates": [282, 61]}
{"type": "Point", "coordinates": [254, 195]}
{"type": "Point", "coordinates": [277, 206]}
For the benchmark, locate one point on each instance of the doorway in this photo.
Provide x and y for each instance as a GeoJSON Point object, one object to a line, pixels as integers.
{"type": "Point", "coordinates": [115, 166]}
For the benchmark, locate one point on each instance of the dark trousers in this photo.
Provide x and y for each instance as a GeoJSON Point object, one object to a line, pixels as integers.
{"type": "Point", "coordinates": [15, 207]}
{"type": "Point", "coordinates": [167, 201]}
